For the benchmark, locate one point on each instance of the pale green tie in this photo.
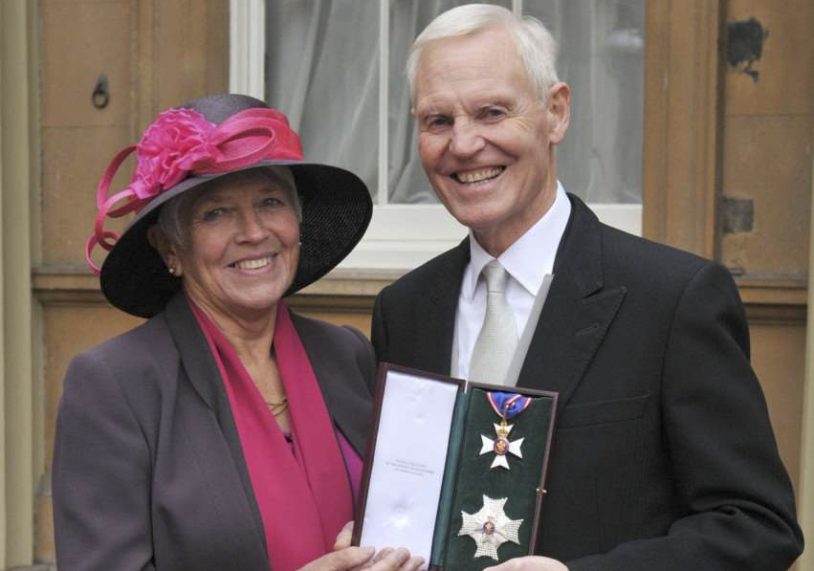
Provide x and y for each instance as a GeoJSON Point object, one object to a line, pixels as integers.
{"type": "Point", "coordinates": [497, 340]}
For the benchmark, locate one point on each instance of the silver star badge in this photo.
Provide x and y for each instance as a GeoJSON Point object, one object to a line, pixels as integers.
{"type": "Point", "coordinates": [490, 527]}
{"type": "Point", "coordinates": [501, 446]}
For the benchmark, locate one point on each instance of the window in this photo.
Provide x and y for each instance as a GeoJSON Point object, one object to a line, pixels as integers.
{"type": "Point", "coordinates": [320, 62]}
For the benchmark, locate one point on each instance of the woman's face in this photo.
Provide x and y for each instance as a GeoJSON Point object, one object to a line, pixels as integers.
{"type": "Point", "coordinates": [241, 249]}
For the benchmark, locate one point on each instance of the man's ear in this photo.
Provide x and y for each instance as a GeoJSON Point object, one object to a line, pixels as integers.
{"type": "Point", "coordinates": [558, 107]}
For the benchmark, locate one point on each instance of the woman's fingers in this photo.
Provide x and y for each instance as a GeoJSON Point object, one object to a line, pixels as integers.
{"type": "Point", "coordinates": [347, 558]}
{"type": "Point", "coordinates": [413, 564]}
{"type": "Point", "coordinates": [344, 537]}
{"type": "Point", "coordinates": [342, 560]}
{"type": "Point", "coordinates": [389, 559]}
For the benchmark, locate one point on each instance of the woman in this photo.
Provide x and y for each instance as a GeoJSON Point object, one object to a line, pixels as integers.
{"type": "Point", "coordinates": [225, 432]}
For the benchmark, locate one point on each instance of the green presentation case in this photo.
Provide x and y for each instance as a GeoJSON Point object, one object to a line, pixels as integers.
{"type": "Point", "coordinates": [432, 480]}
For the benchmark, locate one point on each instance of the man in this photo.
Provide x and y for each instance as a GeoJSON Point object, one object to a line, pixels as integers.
{"type": "Point", "coordinates": [663, 456]}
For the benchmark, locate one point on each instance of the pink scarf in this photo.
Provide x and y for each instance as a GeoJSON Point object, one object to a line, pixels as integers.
{"type": "Point", "coordinates": [304, 498]}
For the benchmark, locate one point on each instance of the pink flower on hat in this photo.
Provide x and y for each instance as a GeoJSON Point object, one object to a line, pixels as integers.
{"type": "Point", "coordinates": [182, 142]}
{"type": "Point", "coordinates": [171, 147]}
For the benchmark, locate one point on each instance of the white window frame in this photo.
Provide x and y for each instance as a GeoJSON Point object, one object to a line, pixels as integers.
{"type": "Point", "coordinates": [400, 236]}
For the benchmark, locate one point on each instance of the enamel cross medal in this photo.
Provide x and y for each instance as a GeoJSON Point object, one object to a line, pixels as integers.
{"type": "Point", "coordinates": [490, 527]}
{"type": "Point", "coordinates": [506, 405]}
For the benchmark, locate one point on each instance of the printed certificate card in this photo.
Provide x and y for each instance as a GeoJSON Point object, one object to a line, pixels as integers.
{"type": "Point", "coordinates": [455, 471]}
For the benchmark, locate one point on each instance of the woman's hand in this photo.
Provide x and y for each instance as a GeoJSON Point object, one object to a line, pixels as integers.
{"type": "Point", "coordinates": [530, 563]}
{"type": "Point", "coordinates": [348, 558]}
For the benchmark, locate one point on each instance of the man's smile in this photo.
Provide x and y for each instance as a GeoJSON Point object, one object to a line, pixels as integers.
{"type": "Point", "coordinates": [474, 176]}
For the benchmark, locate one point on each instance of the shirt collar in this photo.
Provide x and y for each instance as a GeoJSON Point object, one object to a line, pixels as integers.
{"type": "Point", "coordinates": [539, 243]}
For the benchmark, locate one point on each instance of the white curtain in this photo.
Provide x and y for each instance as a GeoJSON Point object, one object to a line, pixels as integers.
{"type": "Point", "coordinates": [322, 70]}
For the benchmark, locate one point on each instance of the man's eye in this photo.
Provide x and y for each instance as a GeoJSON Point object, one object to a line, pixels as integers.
{"type": "Point", "coordinates": [438, 122]}
{"type": "Point", "coordinates": [492, 113]}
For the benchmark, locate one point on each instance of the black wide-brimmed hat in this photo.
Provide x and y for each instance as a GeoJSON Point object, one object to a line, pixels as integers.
{"type": "Point", "coordinates": [201, 141]}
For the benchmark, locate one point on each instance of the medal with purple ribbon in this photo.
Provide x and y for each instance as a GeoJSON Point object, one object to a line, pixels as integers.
{"type": "Point", "coordinates": [506, 405]}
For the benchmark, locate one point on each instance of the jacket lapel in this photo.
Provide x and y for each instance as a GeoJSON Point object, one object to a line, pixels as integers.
{"type": "Point", "coordinates": [436, 305]}
{"type": "Point", "coordinates": [202, 372]}
{"type": "Point", "coordinates": [577, 312]}
{"type": "Point", "coordinates": [349, 409]}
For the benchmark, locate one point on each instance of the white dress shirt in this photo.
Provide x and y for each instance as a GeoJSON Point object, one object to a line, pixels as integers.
{"type": "Point", "coordinates": [527, 262]}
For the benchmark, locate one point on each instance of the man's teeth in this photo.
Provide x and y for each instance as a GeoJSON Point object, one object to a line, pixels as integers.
{"type": "Point", "coordinates": [479, 175]}
{"type": "Point", "coordinates": [253, 264]}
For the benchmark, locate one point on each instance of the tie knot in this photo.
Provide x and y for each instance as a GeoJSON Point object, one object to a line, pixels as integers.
{"type": "Point", "coordinates": [495, 276]}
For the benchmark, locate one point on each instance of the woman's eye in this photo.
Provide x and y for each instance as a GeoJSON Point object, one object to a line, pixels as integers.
{"type": "Point", "coordinates": [271, 201]}
{"type": "Point", "coordinates": [213, 214]}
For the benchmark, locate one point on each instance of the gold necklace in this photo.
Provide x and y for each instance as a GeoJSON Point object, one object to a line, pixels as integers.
{"type": "Point", "coordinates": [279, 407]}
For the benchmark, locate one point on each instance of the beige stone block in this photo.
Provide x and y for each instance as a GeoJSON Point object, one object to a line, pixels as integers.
{"type": "Point", "coordinates": [768, 160]}
{"type": "Point", "coordinates": [785, 84]}
{"type": "Point", "coordinates": [71, 328]}
{"type": "Point", "coordinates": [778, 357]}
{"type": "Point", "coordinates": [44, 549]}
{"type": "Point", "coordinates": [200, 46]}
{"type": "Point", "coordinates": [73, 161]}
{"type": "Point", "coordinates": [80, 42]}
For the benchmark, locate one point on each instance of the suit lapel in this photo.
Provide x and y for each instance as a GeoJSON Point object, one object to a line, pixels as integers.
{"type": "Point", "coordinates": [202, 372]}
{"type": "Point", "coordinates": [574, 320]}
{"type": "Point", "coordinates": [436, 305]}
{"type": "Point", "coordinates": [194, 350]}
{"type": "Point", "coordinates": [577, 312]}
{"type": "Point", "coordinates": [348, 409]}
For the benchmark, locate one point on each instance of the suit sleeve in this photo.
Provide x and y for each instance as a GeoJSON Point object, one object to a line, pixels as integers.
{"type": "Point", "coordinates": [365, 357]}
{"type": "Point", "coordinates": [101, 475]}
{"type": "Point", "coordinates": [377, 329]}
{"type": "Point", "coordinates": [738, 501]}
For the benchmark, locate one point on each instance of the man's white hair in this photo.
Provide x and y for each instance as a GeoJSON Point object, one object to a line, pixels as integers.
{"type": "Point", "coordinates": [535, 44]}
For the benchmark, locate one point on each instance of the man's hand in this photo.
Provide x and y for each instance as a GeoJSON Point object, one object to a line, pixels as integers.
{"type": "Point", "coordinates": [531, 563]}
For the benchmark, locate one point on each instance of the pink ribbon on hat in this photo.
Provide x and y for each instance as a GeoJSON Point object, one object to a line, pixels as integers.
{"type": "Point", "coordinates": [180, 143]}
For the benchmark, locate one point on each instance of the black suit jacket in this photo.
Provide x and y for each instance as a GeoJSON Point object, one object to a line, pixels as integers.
{"type": "Point", "coordinates": [663, 456]}
{"type": "Point", "coordinates": [148, 471]}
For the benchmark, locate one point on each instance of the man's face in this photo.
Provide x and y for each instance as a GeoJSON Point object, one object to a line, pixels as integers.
{"type": "Point", "coordinates": [485, 139]}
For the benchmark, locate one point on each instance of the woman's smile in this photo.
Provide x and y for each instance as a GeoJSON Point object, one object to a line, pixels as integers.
{"type": "Point", "coordinates": [253, 264]}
